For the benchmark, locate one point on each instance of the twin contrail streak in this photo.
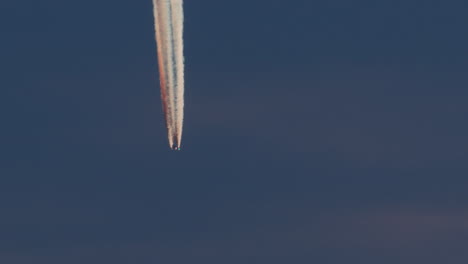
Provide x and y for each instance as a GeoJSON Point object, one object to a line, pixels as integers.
{"type": "Point", "coordinates": [169, 25]}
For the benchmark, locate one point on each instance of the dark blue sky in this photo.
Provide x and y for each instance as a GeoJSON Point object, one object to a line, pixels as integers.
{"type": "Point", "coordinates": [315, 132]}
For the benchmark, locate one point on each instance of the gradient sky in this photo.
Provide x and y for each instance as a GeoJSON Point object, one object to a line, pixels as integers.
{"type": "Point", "coordinates": [316, 132]}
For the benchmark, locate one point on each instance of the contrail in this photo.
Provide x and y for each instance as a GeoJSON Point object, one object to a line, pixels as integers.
{"type": "Point", "coordinates": [169, 26]}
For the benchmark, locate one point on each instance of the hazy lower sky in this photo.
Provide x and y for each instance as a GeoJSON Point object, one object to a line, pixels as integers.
{"type": "Point", "coordinates": [315, 132]}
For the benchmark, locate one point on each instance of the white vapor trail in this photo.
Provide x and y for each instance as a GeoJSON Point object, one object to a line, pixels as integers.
{"type": "Point", "coordinates": [169, 26]}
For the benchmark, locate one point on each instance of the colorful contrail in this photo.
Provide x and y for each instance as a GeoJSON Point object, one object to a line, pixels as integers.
{"type": "Point", "coordinates": [169, 26]}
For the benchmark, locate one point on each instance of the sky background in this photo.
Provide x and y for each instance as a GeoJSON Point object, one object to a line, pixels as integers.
{"type": "Point", "coordinates": [315, 132]}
